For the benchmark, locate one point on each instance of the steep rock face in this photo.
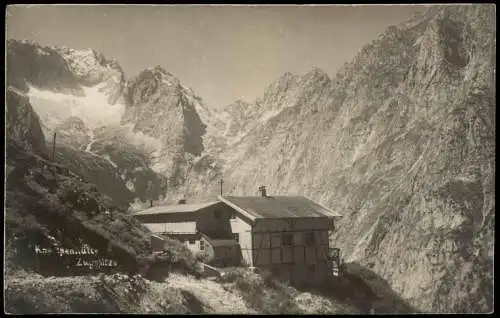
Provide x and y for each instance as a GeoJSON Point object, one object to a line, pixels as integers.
{"type": "Point", "coordinates": [289, 90]}
{"type": "Point", "coordinates": [238, 115]}
{"type": "Point", "coordinates": [402, 144]}
{"type": "Point", "coordinates": [91, 68]}
{"type": "Point", "coordinates": [159, 107]}
{"type": "Point", "coordinates": [43, 67]}
{"type": "Point", "coordinates": [73, 132]}
{"type": "Point", "coordinates": [22, 123]}
{"type": "Point", "coordinates": [288, 95]}
{"type": "Point", "coordinates": [241, 117]}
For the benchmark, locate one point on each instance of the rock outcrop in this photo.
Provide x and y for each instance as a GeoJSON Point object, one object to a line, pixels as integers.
{"type": "Point", "coordinates": [161, 108]}
{"type": "Point", "coordinates": [22, 123]}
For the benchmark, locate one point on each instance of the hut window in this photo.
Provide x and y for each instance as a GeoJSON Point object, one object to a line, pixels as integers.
{"type": "Point", "coordinates": [236, 237]}
{"type": "Point", "coordinates": [287, 239]}
{"type": "Point", "coordinates": [192, 241]}
{"type": "Point", "coordinates": [202, 245]}
{"type": "Point", "coordinates": [309, 238]}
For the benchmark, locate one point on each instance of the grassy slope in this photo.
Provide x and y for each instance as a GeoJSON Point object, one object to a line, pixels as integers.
{"type": "Point", "coordinates": [96, 170]}
{"type": "Point", "coordinates": [45, 199]}
{"type": "Point", "coordinates": [94, 294]}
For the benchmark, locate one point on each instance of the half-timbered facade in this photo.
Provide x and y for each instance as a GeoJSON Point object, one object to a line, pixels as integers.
{"type": "Point", "coordinates": [288, 236]}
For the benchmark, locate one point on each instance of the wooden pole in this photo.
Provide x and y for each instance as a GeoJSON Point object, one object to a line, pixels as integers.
{"type": "Point", "coordinates": [29, 119]}
{"type": "Point", "coordinates": [54, 148]}
{"type": "Point", "coordinates": [221, 182]}
{"type": "Point", "coordinates": [149, 190]}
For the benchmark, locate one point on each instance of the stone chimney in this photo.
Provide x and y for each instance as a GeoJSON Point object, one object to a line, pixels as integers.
{"type": "Point", "coordinates": [262, 190]}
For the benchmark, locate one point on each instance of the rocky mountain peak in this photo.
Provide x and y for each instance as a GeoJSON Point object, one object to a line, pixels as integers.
{"type": "Point", "coordinates": [282, 84]}
{"type": "Point", "coordinates": [316, 73]}
{"type": "Point", "coordinates": [92, 68]}
{"type": "Point", "coordinates": [315, 78]}
{"type": "Point", "coordinates": [163, 76]}
{"type": "Point", "coordinates": [163, 110]}
{"type": "Point", "coordinates": [62, 69]}
{"type": "Point", "coordinates": [153, 81]}
{"type": "Point", "coordinates": [237, 106]}
{"type": "Point", "coordinates": [157, 69]}
{"type": "Point", "coordinates": [287, 76]}
{"type": "Point", "coordinates": [275, 94]}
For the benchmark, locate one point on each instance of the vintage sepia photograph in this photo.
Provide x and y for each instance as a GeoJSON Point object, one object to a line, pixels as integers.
{"type": "Point", "coordinates": [249, 159]}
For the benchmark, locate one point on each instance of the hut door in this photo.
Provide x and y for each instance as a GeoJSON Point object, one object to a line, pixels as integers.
{"type": "Point", "coordinates": [262, 249]}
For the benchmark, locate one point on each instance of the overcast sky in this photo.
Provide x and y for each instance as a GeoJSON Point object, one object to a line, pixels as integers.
{"type": "Point", "coordinates": [223, 53]}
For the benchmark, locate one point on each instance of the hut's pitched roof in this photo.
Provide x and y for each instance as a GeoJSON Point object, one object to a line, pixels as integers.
{"type": "Point", "coordinates": [259, 207]}
{"type": "Point", "coordinates": [176, 208]}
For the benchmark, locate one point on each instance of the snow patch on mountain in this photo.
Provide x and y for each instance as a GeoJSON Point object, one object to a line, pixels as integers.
{"type": "Point", "coordinates": [108, 158]}
{"type": "Point", "coordinates": [88, 148]}
{"type": "Point", "coordinates": [93, 108]}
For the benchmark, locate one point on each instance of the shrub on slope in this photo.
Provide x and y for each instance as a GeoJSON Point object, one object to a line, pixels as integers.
{"type": "Point", "coordinates": [46, 203]}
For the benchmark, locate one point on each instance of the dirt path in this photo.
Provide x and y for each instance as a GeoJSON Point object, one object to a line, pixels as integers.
{"type": "Point", "coordinates": [211, 294]}
{"type": "Point", "coordinates": [49, 280]}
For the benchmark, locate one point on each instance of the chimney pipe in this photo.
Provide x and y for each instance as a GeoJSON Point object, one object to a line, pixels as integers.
{"type": "Point", "coordinates": [262, 190]}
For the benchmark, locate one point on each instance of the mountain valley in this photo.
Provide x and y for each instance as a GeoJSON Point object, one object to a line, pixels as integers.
{"type": "Point", "coordinates": [401, 142]}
